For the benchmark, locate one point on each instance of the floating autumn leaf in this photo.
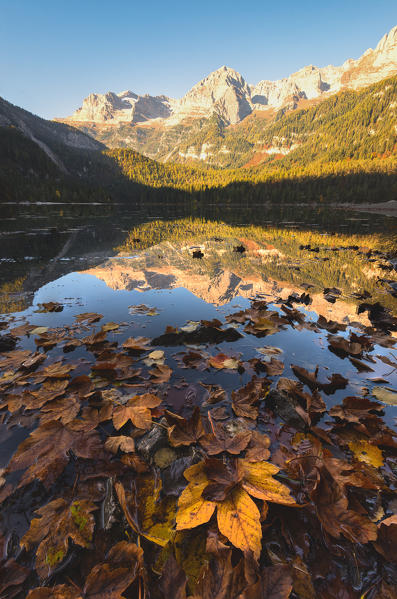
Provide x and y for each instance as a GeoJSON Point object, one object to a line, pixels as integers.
{"type": "Point", "coordinates": [14, 359]}
{"type": "Point", "coordinates": [161, 373]}
{"type": "Point", "coordinates": [88, 317]}
{"type": "Point", "coordinates": [336, 381]}
{"type": "Point", "coordinates": [45, 452]}
{"type": "Point", "coordinates": [214, 484]}
{"type": "Point", "coordinates": [59, 521]}
{"type": "Point", "coordinates": [223, 361]}
{"type": "Point", "coordinates": [332, 508]}
{"type": "Point", "coordinates": [155, 357]}
{"type": "Point", "coordinates": [142, 309]}
{"type": "Point", "coordinates": [268, 350]}
{"type": "Point", "coordinates": [263, 325]}
{"type": "Point", "coordinates": [110, 326]}
{"type": "Point", "coordinates": [94, 339]}
{"type": "Point", "coordinates": [340, 345]}
{"type": "Point", "coordinates": [64, 409]}
{"type": "Point", "coordinates": [184, 431]}
{"type": "Point", "coordinates": [137, 410]}
{"type": "Point", "coordinates": [50, 307]}
{"type": "Point", "coordinates": [385, 395]}
{"type": "Point", "coordinates": [365, 452]}
{"type": "Point", "coordinates": [220, 440]}
{"type": "Point", "coordinates": [136, 345]}
{"type": "Point", "coordinates": [122, 442]}
{"type": "Point", "coordinates": [245, 400]}
{"type": "Point", "coordinates": [39, 330]}
{"type": "Point", "coordinates": [124, 563]}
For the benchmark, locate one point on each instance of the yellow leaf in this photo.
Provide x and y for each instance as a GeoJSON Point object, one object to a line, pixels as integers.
{"type": "Point", "coordinates": [365, 452]}
{"type": "Point", "coordinates": [259, 482]}
{"type": "Point", "coordinates": [239, 520]}
{"type": "Point", "coordinates": [193, 510]}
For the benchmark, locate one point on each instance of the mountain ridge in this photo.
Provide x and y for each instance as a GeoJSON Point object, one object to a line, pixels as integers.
{"type": "Point", "coordinates": [225, 92]}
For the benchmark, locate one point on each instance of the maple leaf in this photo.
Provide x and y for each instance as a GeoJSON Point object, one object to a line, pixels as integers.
{"type": "Point", "coordinates": [161, 373]}
{"type": "Point", "coordinates": [183, 431]}
{"type": "Point", "coordinates": [124, 443]}
{"type": "Point", "coordinates": [124, 563]}
{"type": "Point", "coordinates": [335, 516]}
{"type": "Point", "coordinates": [136, 345]}
{"type": "Point", "coordinates": [137, 410]}
{"type": "Point", "coordinates": [64, 409]}
{"type": "Point", "coordinates": [214, 484]}
{"type": "Point", "coordinates": [245, 399]}
{"type": "Point", "coordinates": [45, 455]}
{"type": "Point", "coordinates": [221, 361]}
{"type": "Point", "coordinates": [220, 441]}
{"type": "Point", "coordinates": [88, 317]}
{"type": "Point", "coordinates": [336, 381]}
{"type": "Point", "coordinates": [59, 521]}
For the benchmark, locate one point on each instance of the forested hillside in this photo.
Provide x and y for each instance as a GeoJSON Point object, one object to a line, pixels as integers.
{"type": "Point", "coordinates": [349, 125]}
{"type": "Point", "coordinates": [341, 150]}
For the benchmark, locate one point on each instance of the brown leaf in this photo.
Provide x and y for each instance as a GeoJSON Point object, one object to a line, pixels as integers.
{"type": "Point", "coordinates": [245, 399]}
{"type": "Point", "coordinates": [161, 373]}
{"type": "Point", "coordinates": [136, 345]}
{"type": "Point", "coordinates": [59, 521]}
{"type": "Point", "coordinates": [222, 441]}
{"type": "Point", "coordinates": [124, 443]}
{"type": "Point", "coordinates": [110, 579]}
{"type": "Point", "coordinates": [45, 452]}
{"type": "Point", "coordinates": [182, 431]}
{"type": "Point", "coordinates": [336, 381]}
{"type": "Point", "coordinates": [137, 410]}
{"type": "Point", "coordinates": [386, 543]}
{"type": "Point", "coordinates": [88, 317]}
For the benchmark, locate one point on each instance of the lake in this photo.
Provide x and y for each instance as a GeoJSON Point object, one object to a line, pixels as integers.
{"type": "Point", "coordinates": [192, 304]}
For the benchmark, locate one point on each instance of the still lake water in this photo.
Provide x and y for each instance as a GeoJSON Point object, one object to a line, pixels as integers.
{"type": "Point", "coordinates": [213, 298]}
{"type": "Point", "coordinates": [69, 254]}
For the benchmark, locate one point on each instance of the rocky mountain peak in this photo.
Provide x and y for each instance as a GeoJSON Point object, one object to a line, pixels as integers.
{"type": "Point", "coordinates": [225, 92]}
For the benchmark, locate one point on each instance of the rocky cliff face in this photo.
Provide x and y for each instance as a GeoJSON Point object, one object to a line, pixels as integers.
{"type": "Point", "coordinates": [125, 107]}
{"type": "Point", "coordinates": [313, 82]}
{"type": "Point", "coordinates": [226, 93]}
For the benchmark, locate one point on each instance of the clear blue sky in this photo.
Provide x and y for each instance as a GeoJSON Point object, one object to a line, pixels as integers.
{"type": "Point", "coordinates": [54, 53]}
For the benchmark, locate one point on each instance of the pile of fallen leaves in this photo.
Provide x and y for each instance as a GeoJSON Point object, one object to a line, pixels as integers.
{"type": "Point", "coordinates": [123, 482]}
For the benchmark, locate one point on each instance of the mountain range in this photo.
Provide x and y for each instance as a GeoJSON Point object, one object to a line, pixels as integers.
{"type": "Point", "coordinates": [161, 127]}
{"type": "Point", "coordinates": [223, 139]}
